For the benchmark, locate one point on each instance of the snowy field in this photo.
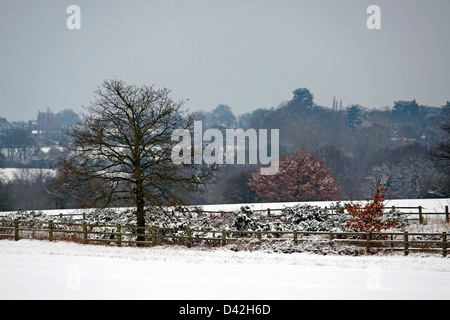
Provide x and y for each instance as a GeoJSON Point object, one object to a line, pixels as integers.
{"type": "Point", "coordinates": [429, 205]}
{"type": "Point", "coordinates": [30, 174]}
{"type": "Point", "coordinates": [32, 269]}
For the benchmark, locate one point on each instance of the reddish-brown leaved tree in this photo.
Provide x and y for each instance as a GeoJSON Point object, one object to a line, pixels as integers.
{"type": "Point", "coordinates": [370, 217]}
{"type": "Point", "coordinates": [301, 177]}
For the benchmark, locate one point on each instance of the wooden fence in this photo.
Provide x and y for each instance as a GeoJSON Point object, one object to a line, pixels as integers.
{"type": "Point", "coordinates": [415, 213]}
{"type": "Point", "coordinates": [127, 235]}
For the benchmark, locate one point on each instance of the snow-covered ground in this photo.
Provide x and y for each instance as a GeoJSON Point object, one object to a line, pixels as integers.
{"type": "Point", "coordinates": [32, 269]}
{"type": "Point", "coordinates": [27, 174]}
{"type": "Point", "coordinates": [429, 205]}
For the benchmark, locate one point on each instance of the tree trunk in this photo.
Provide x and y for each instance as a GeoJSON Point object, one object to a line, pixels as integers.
{"type": "Point", "coordinates": [140, 212]}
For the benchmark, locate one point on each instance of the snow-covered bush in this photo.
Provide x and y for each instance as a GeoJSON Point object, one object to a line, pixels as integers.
{"type": "Point", "coordinates": [302, 217]}
{"type": "Point", "coordinates": [313, 218]}
{"type": "Point", "coordinates": [29, 216]}
{"type": "Point", "coordinates": [104, 233]}
{"type": "Point", "coordinates": [245, 220]}
{"type": "Point", "coordinates": [396, 218]}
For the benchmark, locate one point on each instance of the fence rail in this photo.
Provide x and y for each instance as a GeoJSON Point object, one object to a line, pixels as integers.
{"type": "Point", "coordinates": [417, 212]}
{"type": "Point", "coordinates": [127, 235]}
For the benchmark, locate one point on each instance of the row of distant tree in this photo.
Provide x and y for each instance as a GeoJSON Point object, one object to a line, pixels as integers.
{"type": "Point", "coordinates": [403, 147]}
{"type": "Point", "coordinates": [29, 146]}
{"type": "Point", "coordinates": [26, 189]}
{"type": "Point", "coordinates": [360, 147]}
{"type": "Point", "coordinates": [34, 143]}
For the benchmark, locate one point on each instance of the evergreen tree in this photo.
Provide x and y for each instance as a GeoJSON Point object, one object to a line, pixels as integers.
{"type": "Point", "coordinates": [353, 116]}
{"type": "Point", "coordinates": [302, 98]}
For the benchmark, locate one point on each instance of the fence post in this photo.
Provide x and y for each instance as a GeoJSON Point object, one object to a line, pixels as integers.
{"type": "Point", "coordinates": [268, 212]}
{"type": "Point", "coordinates": [368, 237]}
{"type": "Point", "coordinates": [420, 215]}
{"type": "Point", "coordinates": [119, 235]}
{"type": "Point", "coordinates": [85, 236]}
{"type": "Point", "coordinates": [331, 236]}
{"type": "Point", "coordinates": [447, 218]}
{"type": "Point", "coordinates": [406, 243]}
{"type": "Point", "coordinates": [295, 236]}
{"type": "Point", "coordinates": [258, 234]}
{"type": "Point", "coordinates": [50, 230]}
{"type": "Point", "coordinates": [224, 238]}
{"type": "Point", "coordinates": [188, 231]}
{"type": "Point", "coordinates": [444, 244]}
{"type": "Point", "coordinates": [16, 230]}
{"type": "Point", "coordinates": [153, 236]}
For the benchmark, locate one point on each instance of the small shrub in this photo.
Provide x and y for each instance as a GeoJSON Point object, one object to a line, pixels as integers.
{"type": "Point", "coordinates": [244, 220]}
{"type": "Point", "coordinates": [313, 218]}
{"type": "Point", "coordinates": [370, 217]}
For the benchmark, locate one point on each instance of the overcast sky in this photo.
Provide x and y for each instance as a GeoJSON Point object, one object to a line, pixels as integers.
{"type": "Point", "coordinates": [247, 54]}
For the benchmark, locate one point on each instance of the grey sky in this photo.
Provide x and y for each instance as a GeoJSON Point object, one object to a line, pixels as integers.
{"type": "Point", "coordinates": [245, 53]}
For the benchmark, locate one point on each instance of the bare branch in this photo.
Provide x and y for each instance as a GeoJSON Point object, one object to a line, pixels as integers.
{"type": "Point", "coordinates": [123, 148]}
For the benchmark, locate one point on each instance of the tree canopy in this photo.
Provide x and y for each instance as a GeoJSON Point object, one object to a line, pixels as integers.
{"type": "Point", "coordinates": [122, 148]}
{"type": "Point", "coordinates": [301, 177]}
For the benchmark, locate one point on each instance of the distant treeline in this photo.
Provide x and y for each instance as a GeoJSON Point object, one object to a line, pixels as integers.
{"type": "Point", "coordinates": [360, 146]}
{"type": "Point", "coordinates": [395, 146]}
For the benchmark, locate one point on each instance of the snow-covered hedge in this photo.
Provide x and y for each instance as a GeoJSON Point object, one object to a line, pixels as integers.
{"type": "Point", "coordinates": [314, 218]}
{"type": "Point", "coordinates": [297, 218]}
{"type": "Point", "coordinates": [301, 218]}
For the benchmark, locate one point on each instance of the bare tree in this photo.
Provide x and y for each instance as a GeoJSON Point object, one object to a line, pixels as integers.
{"type": "Point", "coordinates": [442, 151]}
{"type": "Point", "coordinates": [122, 149]}
{"type": "Point", "coordinates": [441, 155]}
